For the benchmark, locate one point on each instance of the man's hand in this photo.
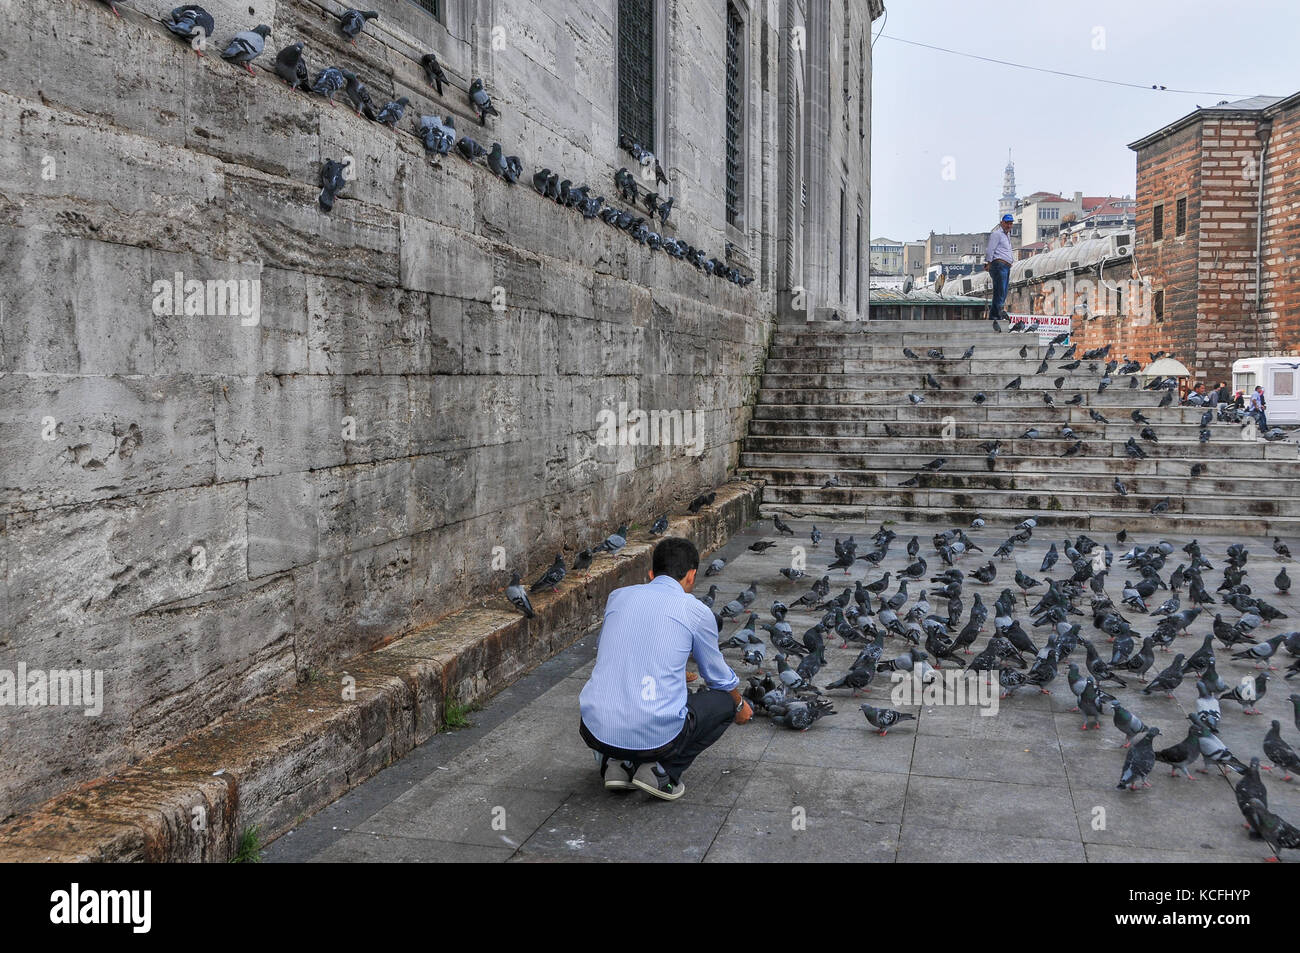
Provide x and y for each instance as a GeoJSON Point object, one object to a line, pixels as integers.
{"type": "Point", "coordinates": [744, 714]}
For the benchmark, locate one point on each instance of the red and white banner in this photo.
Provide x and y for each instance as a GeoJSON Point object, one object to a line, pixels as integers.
{"type": "Point", "coordinates": [1049, 325]}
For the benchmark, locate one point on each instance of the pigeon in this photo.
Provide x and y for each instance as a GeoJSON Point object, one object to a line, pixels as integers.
{"type": "Point", "coordinates": [433, 70]}
{"type": "Point", "coordinates": [353, 22]}
{"type": "Point", "coordinates": [856, 678]}
{"type": "Point", "coordinates": [247, 46]}
{"type": "Point", "coordinates": [1119, 487]}
{"type": "Point", "coordinates": [332, 181]}
{"type": "Point", "coordinates": [1013, 385]}
{"type": "Point", "coordinates": [1167, 680]}
{"type": "Point", "coordinates": [660, 526]}
{"type": "Point", "coordinates": [780, 526]}
{"type": "Point", "coordinates": [552, 577]}
{"type": "Point", "coordinates": [191, 22]}
{"type": "Point", "coordinates": [438, 134]}
{"type": "Point", "coordinates": [762, 546]}
{"type": "Point", "coordinates": [1248, 692]}
{"type": "Point", "coordinates": [615, 541]}
{"type": "Point", "coordinates": [392, 111]}
{"type": "Point", "coordinates": [112, 6]}
{"type": "Point", "coordinates": [291, 67]}
{"type": "Point", "coordinates": [582, 562]}
{"type": "Point", "coordinates": [882, 719]}
{"type": "Point", "coordinates": [1280, 753]}
{"type": "Point", "coordinates": [800, 715]}
{"type": "Point", "coordinates": [701, 501]}
{"type": "Point", "coordinates": [1275, 831]}
{"type": "Point", "coordinates": [1214, 751]}
{"type": "Point", "coordinates": [816, 535]}
{"type": "Point", "coordinates": [1139, 761]}
{"type": "Point", "coordinates": [469, 150]}
{"type": "Point", "coordinates": [481, 101]}
{"type": "Point", "coordinates": [496, 162]}
{"type": "Point", "coordinates": [1282, 582]}
{"type": "Point", "coordinates": [328, 82]}
{"type": "Point", "coordinates": [1261, 652]}
{"type": "Point", "coordinates": [518, 597]}
{"type": "Point", "coordinates": [1128, 723]}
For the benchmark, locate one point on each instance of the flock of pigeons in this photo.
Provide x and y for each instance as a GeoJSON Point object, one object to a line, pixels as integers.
{"type": "Point", "coordinates": [440, 136]}
{"type": "Point", "coordinates": [869, 614]}
{"type": "Point", "coordinates": [1075, 443]}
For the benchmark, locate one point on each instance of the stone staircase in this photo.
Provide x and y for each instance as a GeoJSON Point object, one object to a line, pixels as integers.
{"type": "Point", "coordinates": [830, 388]}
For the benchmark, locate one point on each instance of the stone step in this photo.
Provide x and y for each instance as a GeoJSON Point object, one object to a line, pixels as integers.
{"type": "Point", "coordinates": [1051, 445]}
{"type": "Point", "coordinates": [964, 386]}
{"type": "Point", "coordinates": [918, 341]}
{"type": "Point", "coordinates": [976, 429]}
{"type": "Point", "coordinates": [864, 393]}
{"type": "Point", "coordinates": [1041, 415]}
{"type": "Point", "coordinates": [906, 463]}
{"type": "Point", "coordinates": [1033, 501]}
{"type": "Point", "coordinates": [983, 373]}
{"type": "Point", "coordinates": [1069, 521]}
{"type": "Point", "coordinates": [1154, 485]}
{"type": "Point", "coordinates": [893, 354]}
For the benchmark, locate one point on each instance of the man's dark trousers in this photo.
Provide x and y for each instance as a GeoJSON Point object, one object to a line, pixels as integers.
{"type": "Point", "coordinates": [1000, 272]}
{"type": "Point", "coordinates": [708, 713]}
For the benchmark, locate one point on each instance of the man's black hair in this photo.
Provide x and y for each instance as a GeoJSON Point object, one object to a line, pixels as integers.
{"type": "Point", "coordinates": [675, 557]}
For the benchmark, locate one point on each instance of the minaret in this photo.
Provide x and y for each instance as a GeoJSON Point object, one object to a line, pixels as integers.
{"type": "Point", "coordinates": [1008, 201]}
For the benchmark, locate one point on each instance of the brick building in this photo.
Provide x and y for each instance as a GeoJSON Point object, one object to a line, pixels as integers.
{"type": "Point", "coordinates": [1218, 235]}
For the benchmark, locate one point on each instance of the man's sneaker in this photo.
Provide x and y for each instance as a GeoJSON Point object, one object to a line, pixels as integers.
{"type": "Point", "coordinates": [654, 780]}
{"type": "Point", "coordinates": [617, 774]}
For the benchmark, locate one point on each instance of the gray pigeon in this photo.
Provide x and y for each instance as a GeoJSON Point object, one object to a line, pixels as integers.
{"type": "Point", "coordinates": [1139, 762]}
{"type": "Point", "coordinates": [332, 181]}
{"type": "Point", "coordinates": [191, 22]}
{"type": "Point", "coordinates": [291, 67]}
{"type": "Point", "coordinates": [518, 597]}
{"type": "Point", "coordinates": [433, 70]}
{"type": "Point", "coordinates": [614, 541]}
{"type": "Point", "coordinates": [393, 111]}
{"type": "Point", "coordinates": [359, 94]}
{"type": "Point", "coordinates": [353, 21]}
{"type": "Point", "coordinates": [481, 101]}
{"type": "Point", "coordinates": [328, 82]}
{"type": "Point", "coordinates": [438, 134]}
{"type": "Point", "coordinates": [882, 719]}
{"type": "Point", "coordinates": [247, 46]}
{"type": "Point", "coordinates": [496, 162]}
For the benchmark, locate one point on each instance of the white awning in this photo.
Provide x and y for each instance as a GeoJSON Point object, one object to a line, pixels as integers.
{"type": "Point", "coordinates": [1166, 367]}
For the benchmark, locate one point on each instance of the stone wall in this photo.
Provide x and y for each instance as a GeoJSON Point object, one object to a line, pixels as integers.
{"type": "Point", "coordinates": [207, 509]}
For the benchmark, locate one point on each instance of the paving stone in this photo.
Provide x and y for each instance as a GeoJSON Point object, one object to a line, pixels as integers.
{"type": "Point", "coordinates": [769, 837]}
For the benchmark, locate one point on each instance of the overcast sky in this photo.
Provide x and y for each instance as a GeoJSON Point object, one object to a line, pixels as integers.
{"type": "Point", "coordinates": [1065, 134]}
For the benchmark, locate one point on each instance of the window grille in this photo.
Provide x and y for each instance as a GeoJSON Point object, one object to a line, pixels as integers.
{"type": "Point", "coordinates": [735, 106]}
{"type": "Point", "coordinates": [636, 70]}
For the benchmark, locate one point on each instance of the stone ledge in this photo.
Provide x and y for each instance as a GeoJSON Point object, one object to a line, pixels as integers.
{"type": "Point", "coordinates": [279, 760]}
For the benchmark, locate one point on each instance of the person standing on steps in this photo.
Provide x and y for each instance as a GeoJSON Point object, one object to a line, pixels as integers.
{"type": "Point", "coordinates": [1257, 405]}
{"type": "Point", "coordinates": [997, 262]}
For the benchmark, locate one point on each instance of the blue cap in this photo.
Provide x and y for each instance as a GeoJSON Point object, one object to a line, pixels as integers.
{"type": "Point", "coordinates": [1008, 218]}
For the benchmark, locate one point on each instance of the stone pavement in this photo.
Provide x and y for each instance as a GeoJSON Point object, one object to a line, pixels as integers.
{"type": "Point", "coordinates": [1023, 785]}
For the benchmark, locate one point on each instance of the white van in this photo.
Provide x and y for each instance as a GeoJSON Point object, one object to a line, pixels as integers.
{"type": "Point", "coordinates": [1280, 378]}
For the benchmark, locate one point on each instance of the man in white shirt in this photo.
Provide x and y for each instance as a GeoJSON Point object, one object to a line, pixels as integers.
{"type": "Point", "coordinates": [997, 261]}
{"type": "Point", "coordinates": [635, 711]}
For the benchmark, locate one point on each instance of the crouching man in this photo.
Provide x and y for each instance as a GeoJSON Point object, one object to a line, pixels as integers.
{"type": "Point", "coordinates": [635, 711]}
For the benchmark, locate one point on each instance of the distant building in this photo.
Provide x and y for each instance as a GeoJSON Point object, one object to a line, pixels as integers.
{"type": "Point", "coordinates": [886, 257]}
{"type": "Point", "coordinates": [1042, 214]}
{"type": "Point", "coordinates": [914, 259]}
{"type": "Point", "coordinates": [954, 248]}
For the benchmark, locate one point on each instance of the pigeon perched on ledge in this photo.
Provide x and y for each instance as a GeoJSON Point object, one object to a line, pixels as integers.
{"type": "Point", "coordinates": [247, 46]}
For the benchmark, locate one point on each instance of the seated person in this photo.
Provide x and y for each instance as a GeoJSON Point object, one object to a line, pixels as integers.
{"type": "Point", "coordinates": [635, 711]}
